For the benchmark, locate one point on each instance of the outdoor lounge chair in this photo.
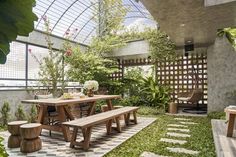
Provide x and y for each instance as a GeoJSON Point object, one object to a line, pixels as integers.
{"type": "Point", "coordinates": [192, 98]}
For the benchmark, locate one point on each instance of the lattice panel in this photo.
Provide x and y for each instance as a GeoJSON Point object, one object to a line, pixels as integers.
{"type": "Point", "coordinates": [15, 67]}
{"type": "Point", "coordinates": [179, 75]}
{"type": "Point", "coordinates": [119, 74]}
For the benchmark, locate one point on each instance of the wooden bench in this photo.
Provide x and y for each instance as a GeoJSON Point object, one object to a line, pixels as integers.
{"type": "Point", "coordinates": [86, 124]}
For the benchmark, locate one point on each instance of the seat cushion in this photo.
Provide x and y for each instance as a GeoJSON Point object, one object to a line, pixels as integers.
{"type": "Point", "coordinates": [183, 98]}
{"type": "Point", "coordinates": [43, 96]}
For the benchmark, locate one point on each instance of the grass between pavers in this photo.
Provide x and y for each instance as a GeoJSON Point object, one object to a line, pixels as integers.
{"type": "Point", "coordinates": [148, 139]}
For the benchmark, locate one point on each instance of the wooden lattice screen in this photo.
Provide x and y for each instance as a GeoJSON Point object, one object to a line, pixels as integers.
{"type": "Point", "coordinates": [119, 74]}
{"type": "Point", "coordinates": [177, 75]}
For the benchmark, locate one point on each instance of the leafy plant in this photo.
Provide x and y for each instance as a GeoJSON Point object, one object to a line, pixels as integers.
{"type": "Point", "coordinates": [130, 101]}
{"type": "Point", "coordinates": [153, 94]}
{"type": "Point", "coordinates": [20, 113]}
{"type": "Point", "coordinates": [230, 34]}
{"type": "Point", "coordinates": [88, 66]}
{"type": "Point", "coordinates": [52, 67]}
{"type": "Point", "coordinates": [3, 152]}
{"type": "Point", "coordinates": [16, 18]}
{"type": "Point", "coordinates": [5, 111]}
{"type": "Point", "coordinates": [33, 114]}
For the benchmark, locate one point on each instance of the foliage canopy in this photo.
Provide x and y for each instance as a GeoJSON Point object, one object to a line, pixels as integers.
{"type": "Point", "coordinates": [16, 18]}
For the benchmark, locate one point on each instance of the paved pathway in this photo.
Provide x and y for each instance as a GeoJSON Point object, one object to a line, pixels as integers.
{"type": "Point", "coordinates": [100, 142]}
{"type": "Point", "coordinates": [177, 130]}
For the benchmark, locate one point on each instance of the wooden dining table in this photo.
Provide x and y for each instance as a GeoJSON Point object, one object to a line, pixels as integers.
{"type": "Point", "coordinates": [64, 113]}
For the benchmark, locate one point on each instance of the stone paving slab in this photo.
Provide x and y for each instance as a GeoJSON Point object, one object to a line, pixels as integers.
{"type": "Point", "coordinates": [178, 129]}
{"type": "Point", "coordinates": [177, 125]}
{"type": "Point", "coordinates": [149, 154]}
{"type": "Point", "coordinates": [188, 123]}
{"type": "Point", "coordinates": [182, 119]}
{"type": "Point", "coordinates": [173, 134]}
{"type": "Point", "coordinates": [173, 141]}
{"type": "Point", "coordinates": [182, 150]}
{"type": "Point", "coordinates": [100, 142]}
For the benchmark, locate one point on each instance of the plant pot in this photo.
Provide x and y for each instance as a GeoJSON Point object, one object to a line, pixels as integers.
{"type": "Point", "coordinates": [90, 93]}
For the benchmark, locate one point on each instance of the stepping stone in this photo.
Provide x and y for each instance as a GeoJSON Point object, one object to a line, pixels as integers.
{"type": "Point", "coordinates": [182, 150]}
{"type": "Point", "coordinates": [149, 154]}
{"type": "Point", "coordinates": [183, 119]}
{"type": "Point", "coordinates": [173, 141]}
{"type": "Point", "coordinates": [177, 125]}
{"type": "Point", "coordinates": [178, 129]}
{"type": "Point", "coordinates": [173, 134]}
{"type": "Point", "coordinates": [188, 123]}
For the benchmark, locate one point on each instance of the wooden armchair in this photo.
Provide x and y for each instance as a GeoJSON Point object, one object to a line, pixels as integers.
{"type": "Point", "coordinates": [193, 98]}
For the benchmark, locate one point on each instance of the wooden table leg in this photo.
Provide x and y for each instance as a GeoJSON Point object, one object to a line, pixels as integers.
{"type": "Point", "coordinates": [109, 105]}
{"type": "Point", "coordinates": [62, 118]}
{"type": "Point", "coordinates": [68, 113]}
{"type": "Point", "coordinates": [91, 109]}
{"type": "Point", "coordinates": [41, 114]}
{"type": "Point", "coordinates": [230, 128]}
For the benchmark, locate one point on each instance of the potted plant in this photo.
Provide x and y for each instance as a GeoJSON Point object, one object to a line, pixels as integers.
{"type": "Point", "coordinates": [91, 86]}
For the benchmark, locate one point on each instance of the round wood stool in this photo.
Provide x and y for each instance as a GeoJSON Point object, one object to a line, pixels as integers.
{"type": "Point", "coordinates": [30, 137]}
{"type": "Point", "coordinates": [14, 139]}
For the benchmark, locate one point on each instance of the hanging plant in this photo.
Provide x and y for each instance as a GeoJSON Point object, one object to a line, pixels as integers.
{"type": "Point", "coordinates": [229, 33]}
{"type": "Point", "coordinates": [16, 18]}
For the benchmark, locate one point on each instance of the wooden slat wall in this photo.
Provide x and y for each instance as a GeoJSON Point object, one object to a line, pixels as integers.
{"type": "Point", "coordinates": [176, 75]}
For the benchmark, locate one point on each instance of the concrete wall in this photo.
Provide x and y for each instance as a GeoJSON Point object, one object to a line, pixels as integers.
{"type": "Point", "coordinates": [14, 99]}
{"type": "Point", "coordinates": [221, 75]}
{"type": "Point", "coordinates": [208, 3]}
{"type": "Point", "coordinates": [133, 49]}
{"type": "Point", "coordinates": [38, 38]}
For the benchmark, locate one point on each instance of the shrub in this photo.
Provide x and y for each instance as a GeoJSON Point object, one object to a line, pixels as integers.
{"type": "Point", "coordinates": [145, 110]}
{"type": "Point", "coordinates": [20, 113]}
{"type": "Point", "coordinates": [3, 152]}
{"type": "Point", "coordinates": [216, 115]}
{"type": "Point", "coordinates": [5, 111]}
{"type": "Point", "coordinates": [154, 95]}
{"type": "Point", "coordinates": [33, 114]}
{"type": "Point", "coordinates": [130, 101]}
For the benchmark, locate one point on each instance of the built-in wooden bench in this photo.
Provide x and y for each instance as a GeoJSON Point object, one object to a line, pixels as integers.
{"type": "Point", "coordinates": [86, 124]}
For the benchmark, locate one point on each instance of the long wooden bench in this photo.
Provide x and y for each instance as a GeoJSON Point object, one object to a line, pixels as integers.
{"type": "Point", "coordinates": [86, 124]}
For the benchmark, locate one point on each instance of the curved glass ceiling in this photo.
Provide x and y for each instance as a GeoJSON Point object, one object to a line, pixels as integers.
{"type": "Point", "coordinates": [78, 15]}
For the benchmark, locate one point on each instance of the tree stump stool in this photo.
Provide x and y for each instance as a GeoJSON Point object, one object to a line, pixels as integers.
{"type": "Point", "coordinates": [173, 108]}
{"type": "Point", "coordinates": [30, 137]}
{"type": "Point", "coordinates": [14, 139]}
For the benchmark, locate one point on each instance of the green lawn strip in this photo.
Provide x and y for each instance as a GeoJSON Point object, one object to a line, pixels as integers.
{"type": "Point", "coordinates": [148, 139]}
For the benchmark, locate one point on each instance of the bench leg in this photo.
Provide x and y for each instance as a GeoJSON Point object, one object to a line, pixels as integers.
{"type": "Point", "coordinates": [230, 128]}
{"type": "Point", "coordinates": [87, 136]}
{"type": "Point", "coordinates": [135, 117]}
{"type": "Point", "coordinates": [73, 138]}
{"type": "Point", "coordinates": [109, 126]}
{"type": "Point", "coordinates": [117, 119]}
{"type": "Point", "coordinates": [127, 118]}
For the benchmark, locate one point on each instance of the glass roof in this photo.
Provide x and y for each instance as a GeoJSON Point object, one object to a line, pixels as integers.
{"type": "Point", "coordinates": [78, 15]}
